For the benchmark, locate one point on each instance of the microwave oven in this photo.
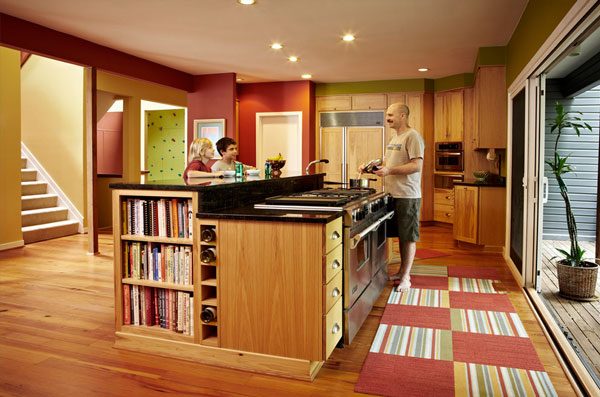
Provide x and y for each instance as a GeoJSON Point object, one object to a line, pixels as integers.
{"type": "Point", "coordinates": [449, 156]}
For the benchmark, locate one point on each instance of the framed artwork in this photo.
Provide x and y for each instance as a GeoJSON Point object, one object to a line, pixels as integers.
{"type": "Point", "coordinates": [213, 129]}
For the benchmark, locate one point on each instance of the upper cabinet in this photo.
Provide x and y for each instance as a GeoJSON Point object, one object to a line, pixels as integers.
{"type": "Point", "coordinates": [369, 102]}
{"type": "Point", "coordinates": [335, 102]}
{"type": "Point", "coordinates": [490, 108]}
{"type": "Point", "coordinates": [448, 111]}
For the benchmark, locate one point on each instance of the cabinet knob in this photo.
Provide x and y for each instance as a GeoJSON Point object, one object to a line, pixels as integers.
{"type": "Point", "coordinates": [448, 214]}
{"type": "Point", "coordinates": [336, 328]}
{"type": "Point", "coordinates": [336, 292]}
{"type": "Point", "coordinates": [448, 197]}
{"type": "Point", "coordinates": [335, 264]}
{"type": "Point", "coordinates": [335, 235]}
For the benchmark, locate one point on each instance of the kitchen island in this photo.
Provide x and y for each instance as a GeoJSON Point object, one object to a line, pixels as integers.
{"type": "Point", "coordinates": [269, 286]}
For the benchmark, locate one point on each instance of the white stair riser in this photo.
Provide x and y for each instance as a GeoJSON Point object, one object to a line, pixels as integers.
{"type": "Point", "coordinates": [38, 188]}
{"type": "Point", "coordinates": [28, 175]}
{"type": "Point", "coordinates": [44, 217]}
{"type": "Point", "coordinates": [38, 202]}
{"type": "Point", "coordinates": [32, 236]}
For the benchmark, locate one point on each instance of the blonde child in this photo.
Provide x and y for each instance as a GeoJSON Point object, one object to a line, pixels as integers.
{"type": "Point", "coordinates": [201, 151]}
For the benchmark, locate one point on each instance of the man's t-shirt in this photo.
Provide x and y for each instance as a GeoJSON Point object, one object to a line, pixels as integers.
{"type": "Point", "coordinates": [401, 149]}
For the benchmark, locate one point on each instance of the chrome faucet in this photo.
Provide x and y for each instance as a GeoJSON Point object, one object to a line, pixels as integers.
{"type": "Point", "coordinates": [315, 162]}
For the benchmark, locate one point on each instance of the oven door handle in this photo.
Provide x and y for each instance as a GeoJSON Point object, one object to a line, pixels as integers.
{"type": "Point", "coordinates": [356, 239]}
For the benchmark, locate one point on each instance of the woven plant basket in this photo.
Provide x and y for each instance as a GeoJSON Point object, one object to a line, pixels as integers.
{"type": "Point", "coordinates": [577, 283]}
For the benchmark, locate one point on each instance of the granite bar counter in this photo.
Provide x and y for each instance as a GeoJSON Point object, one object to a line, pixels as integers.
{"type": "Point", "coordinates": [474, 182]}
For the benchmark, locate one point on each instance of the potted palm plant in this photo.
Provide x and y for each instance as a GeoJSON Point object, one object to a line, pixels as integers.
{"type": "Point", "coordinates": [576, 276]}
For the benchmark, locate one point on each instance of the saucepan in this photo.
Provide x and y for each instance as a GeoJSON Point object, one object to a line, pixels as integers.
{"type": "Point", "coordinates": [360, 183]}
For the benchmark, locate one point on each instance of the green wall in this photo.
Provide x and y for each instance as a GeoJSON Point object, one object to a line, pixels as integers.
{"type": "Point", "coordinates": [538, 21]}
{"type": "Point", "coordinates": [166, 144]}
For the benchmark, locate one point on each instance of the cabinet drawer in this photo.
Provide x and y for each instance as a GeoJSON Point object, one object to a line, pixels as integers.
{"type": "Point", "coordinates": [333, 328]}
{"type": "Point", "coordinates": [333, 234]}
{"type": "Point", "coordinates": [332, 291]}
{"type": "Point", "coordinates": [333, 263]}
{"type": "Point", "coordinates": [443, 213]}
{"type": "Point", "coordinates": [443, 196]}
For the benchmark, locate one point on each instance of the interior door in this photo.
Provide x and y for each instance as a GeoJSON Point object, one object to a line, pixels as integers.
{"type": "Point", "coordinates": [332, 148]}
{"type": "Point", "coordinates": [363, 144]}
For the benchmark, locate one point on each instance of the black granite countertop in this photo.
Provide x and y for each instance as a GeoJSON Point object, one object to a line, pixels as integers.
{"type": "Point", "coordinates": [474, 182]}
{"type": "Point", "coordinates": [249, 213]}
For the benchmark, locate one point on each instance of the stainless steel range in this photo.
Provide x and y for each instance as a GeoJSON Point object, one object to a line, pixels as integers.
{"type": "Point", "coordinates": [364, 241]}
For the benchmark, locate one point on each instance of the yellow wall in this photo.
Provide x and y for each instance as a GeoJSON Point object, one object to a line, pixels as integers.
{"type": "Point", "coordinates": [52, 122]}
{"type": "Point", "coordinates": [10, 144]}
{"type": "Point", "coordinates": [132, 92]}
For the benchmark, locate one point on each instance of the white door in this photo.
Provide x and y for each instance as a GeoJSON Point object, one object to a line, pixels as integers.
{"type": "Point", "coordinates": [280, 132]}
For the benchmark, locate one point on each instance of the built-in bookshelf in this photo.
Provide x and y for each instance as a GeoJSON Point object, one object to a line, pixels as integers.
{"type": "Point", "coordinates": [155, 264]}
{"type": "Point", "coordinates": [208, 259]}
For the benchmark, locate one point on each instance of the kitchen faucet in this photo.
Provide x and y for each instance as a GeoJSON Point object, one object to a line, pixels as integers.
{"type": "Point", "coordinates": [315, 162]}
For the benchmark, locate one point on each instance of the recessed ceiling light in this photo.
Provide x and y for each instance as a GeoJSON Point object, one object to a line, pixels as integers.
{"type": "Point", "coordinates": [423, 69]}
{"type": "Point", "coordinates": [307, 76]}
{"type": "Point", "coordinates": [277, 46]}
{"type": "Point", "coordinates": [293, 58]}
{"type": "Point", "coordinates": [239, 79]}
{"type": "Point", "coordinates": [247, 2]}
{"type": "Point", "coordinates": [348, 37]}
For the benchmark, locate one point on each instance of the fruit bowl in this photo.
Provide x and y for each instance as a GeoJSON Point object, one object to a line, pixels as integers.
{"type": "Point", "coordinates": [276, 166]}
{"type": "Point", "coordinates": [481, 176]}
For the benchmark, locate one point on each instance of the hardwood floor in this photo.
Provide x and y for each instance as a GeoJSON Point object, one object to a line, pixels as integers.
{"type": "Point", "coordinates": [57, 331]}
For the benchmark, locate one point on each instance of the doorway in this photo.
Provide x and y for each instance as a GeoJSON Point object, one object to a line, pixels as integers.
{"type": "Point", "coordinates": [280, 132]}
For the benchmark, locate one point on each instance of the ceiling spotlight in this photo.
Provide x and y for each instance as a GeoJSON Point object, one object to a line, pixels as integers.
{"type": "Point", "coordinates": [246, 2]}
{"type": "Point", "coordinates": [277, 46]}
{"type": "Point", "coordinates": [293, 58]}
{"type": "Point", "coordinates": [348, 37]}
{"type": "Point", "coordinates": [307, 76]}
{"type": "Point", "coordinates": [239, 79]}
{"type": "Point", "coordinates": [423, 69]}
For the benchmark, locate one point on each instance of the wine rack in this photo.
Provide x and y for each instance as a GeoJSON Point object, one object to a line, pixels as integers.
{"type": "Point", "coordinates": [207, 233]}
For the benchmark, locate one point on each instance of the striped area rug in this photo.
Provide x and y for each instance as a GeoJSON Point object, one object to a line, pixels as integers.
{"type": "Point", "coordinates": [454, 333]}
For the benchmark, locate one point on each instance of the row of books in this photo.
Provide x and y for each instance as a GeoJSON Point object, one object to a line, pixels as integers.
{"type": "Point", "coordinates": [169, 309]}
{"type": "Point", "coordinates": [158, 217]}
{"type": "Point", "coordinates": [158, 262]}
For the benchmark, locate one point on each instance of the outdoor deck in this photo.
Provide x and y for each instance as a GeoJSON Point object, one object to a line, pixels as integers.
{"type": "Point", "coordinates": [580, 319]}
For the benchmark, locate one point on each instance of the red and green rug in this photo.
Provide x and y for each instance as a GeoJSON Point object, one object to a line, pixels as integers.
{"type": "Point", "coordinates": [454, 333]}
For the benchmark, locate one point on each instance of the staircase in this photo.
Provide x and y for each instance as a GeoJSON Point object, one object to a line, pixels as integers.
{"type": "Point", "coordinates": [42, 217]}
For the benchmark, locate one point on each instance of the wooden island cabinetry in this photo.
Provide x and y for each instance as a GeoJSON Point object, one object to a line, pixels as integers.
{"type": "Point", "coordinates": [253, 293]}
{"type": "Point", "coordinates": [479, 214]}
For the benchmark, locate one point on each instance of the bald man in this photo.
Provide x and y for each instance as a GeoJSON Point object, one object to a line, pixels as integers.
{"type": "Point", "coordinates": [402, 173]}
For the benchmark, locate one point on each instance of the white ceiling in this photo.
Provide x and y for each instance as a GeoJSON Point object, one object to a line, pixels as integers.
{"type": "Point", "coordinates": [394, 37]}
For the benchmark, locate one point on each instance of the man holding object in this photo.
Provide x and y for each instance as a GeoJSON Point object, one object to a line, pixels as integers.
{"type": "Point", "coordinates": [402, 173]}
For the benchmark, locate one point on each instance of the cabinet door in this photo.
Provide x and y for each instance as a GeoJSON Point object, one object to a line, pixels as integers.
{"type": "Point", "coordinates": [336, 102]}
{"type": "Point", "coordinates": [454, 115]}
{"type": "Point", "coordinates": [466, 209]}
{"type": "Point", "coordinates": [369, 101]}
{"type": "Point", "coordinates": [491, 107]}
{"type": "Point", "coordinates": [364, 144]}
{"type": "Point", "coordinates": [396, 97]}
{"type": "Point", "coordinates": [331, 148]}
{"type": "Point", "coordinates": [439, 113]}
{"type": "Point", "coordinates": [415, 105]}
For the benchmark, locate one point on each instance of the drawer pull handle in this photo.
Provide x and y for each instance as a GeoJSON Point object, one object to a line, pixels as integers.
{"type": "Point", "coordinates": [336, 328]}
{"type": "Point", "coordinates": [335, 264]}
{"type": "Point", "coordinates": [336, 292]}
{"type": "Point", "coordinates": [447, 197]}
{"type": "Point", "coordinates": [335, 235]}
{"type": "Point", "coordinates": [448, 214]}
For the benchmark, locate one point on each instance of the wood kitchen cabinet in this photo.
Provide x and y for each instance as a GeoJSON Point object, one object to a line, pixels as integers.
{"type": "Point", "coordinates": [443, 205]}
{"type": "Point", "coordinates": [448, 116]}
{"type": "Point", "coordinates": [369, 102]}
{"type": "Point", "coordinates": [334, 102]}
{"type": "Point", "coordinates": [479, 214]}
{"type": "Point", "coordinates": [490, 108]}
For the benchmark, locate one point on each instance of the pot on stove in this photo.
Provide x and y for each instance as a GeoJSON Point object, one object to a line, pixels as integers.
{"type": "Point", "coordinates": [360, 183]}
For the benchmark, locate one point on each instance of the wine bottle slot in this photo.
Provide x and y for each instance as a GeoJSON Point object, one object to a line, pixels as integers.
{"type": "Point", "coordinates": [208, 255]}
{"type": "Point", "coordinates": [208, 235]}
{"type": "Point", "coordinates": [208, 314]}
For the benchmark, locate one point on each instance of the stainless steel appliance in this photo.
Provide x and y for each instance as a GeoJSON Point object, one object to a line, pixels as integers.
{"type": "Point", "coordinates": [364, 240]}
{"type": "Point", "coordinates": [446, 181]}
{"type": "Point", "coordinates": [449, 156]}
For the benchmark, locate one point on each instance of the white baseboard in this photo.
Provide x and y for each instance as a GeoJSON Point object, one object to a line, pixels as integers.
{"type": "Point", "coordinates": [53, 186]}
{"type": "Point", "coordinates": [14, 244]}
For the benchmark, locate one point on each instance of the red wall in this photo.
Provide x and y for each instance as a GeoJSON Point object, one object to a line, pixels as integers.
{"type": "Point", "coordinates": [213, 97]}
{"type": "Point", "coordinates": [275, 97]}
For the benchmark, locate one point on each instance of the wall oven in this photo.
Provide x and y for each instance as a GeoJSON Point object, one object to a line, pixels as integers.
{"type": "Point", "coordinates": [449, 156]}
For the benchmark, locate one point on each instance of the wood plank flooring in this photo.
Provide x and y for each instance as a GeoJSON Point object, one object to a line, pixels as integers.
{"type": "Point", "coordinates": [580, 319]}
{"type": "Point", "coordinates": [57, 331]}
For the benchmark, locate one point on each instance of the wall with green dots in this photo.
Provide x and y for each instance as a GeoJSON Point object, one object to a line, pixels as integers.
{"type": "Point", "coordinates": [165, 151]}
